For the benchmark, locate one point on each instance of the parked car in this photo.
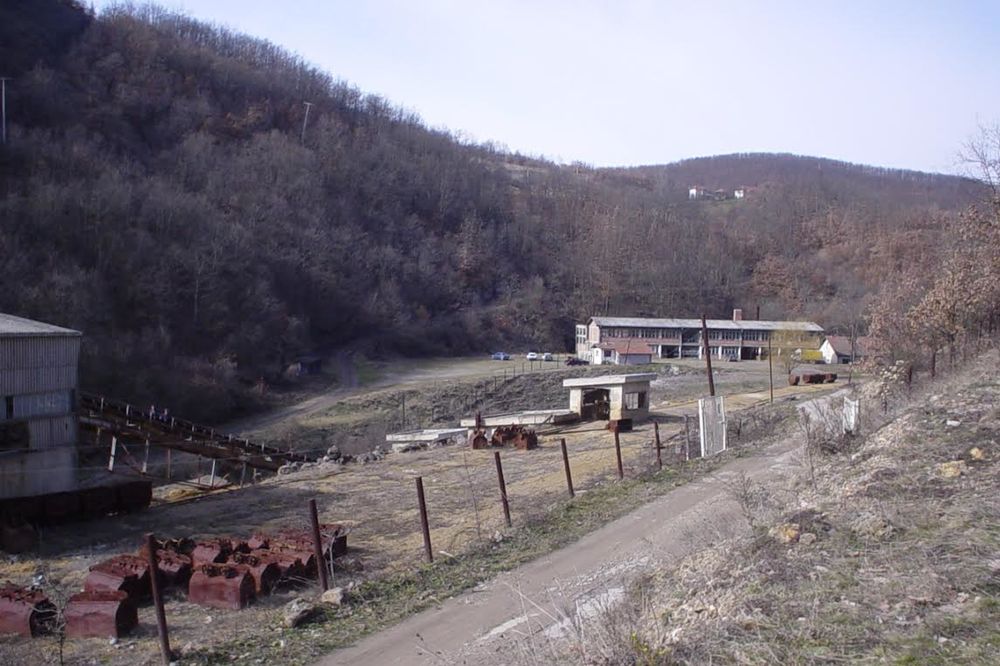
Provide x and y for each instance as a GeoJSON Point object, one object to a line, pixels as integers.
{"type": "Point", "coordinates": [501, 356]}
{"type": "Point", "coordinates": [573, 360]}
{"type": "Point", "coordinates": [547, 357]}
{"type": "Point", "coordinates": [532, 356]}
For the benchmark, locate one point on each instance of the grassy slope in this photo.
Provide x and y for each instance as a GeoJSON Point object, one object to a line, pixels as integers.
{"type": "Point", "coordinates": [904, 567]}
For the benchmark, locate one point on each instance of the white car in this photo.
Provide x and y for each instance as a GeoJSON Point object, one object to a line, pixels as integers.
{"type": "Point", "coordinates": [532, 356]}
{"type": "Point", "coordinates": [546, 356]}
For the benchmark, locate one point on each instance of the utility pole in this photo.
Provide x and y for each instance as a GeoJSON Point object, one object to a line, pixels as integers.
{"type": "Point", "coordinates": [3, 105]}
{"type": "Point", "coordinates": [770, 366]}
{"type": "Point", "coordinates": [305, 121]}
{"type": "Point", "coordinates": [708, 356]}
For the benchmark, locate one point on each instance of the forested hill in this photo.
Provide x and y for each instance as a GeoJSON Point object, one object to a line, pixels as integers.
{"type": "Point", "coordinates": [162, 192]}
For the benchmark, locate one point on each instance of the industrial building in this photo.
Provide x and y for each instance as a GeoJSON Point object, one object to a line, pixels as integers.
{"type": "Point", "coordinates": [38, 423]}
{"type": "Point", "coordinates": [735, 339]}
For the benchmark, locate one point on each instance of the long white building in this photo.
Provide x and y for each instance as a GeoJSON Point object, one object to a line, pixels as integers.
{"type": "Point", "coordinates": [738, 339]}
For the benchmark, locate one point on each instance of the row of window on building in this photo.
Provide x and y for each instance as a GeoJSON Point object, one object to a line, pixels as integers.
{"type": "Point", "coordinates": [675, 333]}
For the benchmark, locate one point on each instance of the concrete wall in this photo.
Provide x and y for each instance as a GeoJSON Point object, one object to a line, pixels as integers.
{"type": "Point", "coordinates": [38, 380]}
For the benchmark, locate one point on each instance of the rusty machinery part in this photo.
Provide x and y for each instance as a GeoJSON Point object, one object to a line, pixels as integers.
{"type": "Point", "coordinates": [181, 546]}
{"type": "Point", "coordinates": [265, 571]}
{"type": "Point", "coordinates": [100, 614]}
{"type": "Point", "coordinates": [478, 440]}
{"type": "Point", "coordinates": [213, 551]}
{"type": "Point", "coordinates": [258, 540]}
{"type": "Point", "coordinates": [516, 436]}
{"type": "Point", "coordinates": [175, 569]}
{"type": "Point", "coordinates": [127, 573]}
{"type": "Point", "coordinates": [225, 586]}
{"type": "Point", "coordinates": [290, 563]}
{"type": "Point", "coordinates": [621, 425]}
{"type": "Point", "coordinates": [25, 612]}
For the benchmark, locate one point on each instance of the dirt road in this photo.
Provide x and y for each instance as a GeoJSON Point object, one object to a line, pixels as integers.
{"type": "Point", "coordinates": [486, 625]}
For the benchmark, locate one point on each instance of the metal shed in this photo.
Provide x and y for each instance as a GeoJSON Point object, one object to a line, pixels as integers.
{"type": "Point", "coordinates": [38, 423]}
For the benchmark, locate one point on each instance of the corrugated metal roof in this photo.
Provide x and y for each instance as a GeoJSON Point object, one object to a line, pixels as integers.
{"type": "Point", "coordinates": [11, 326]}
{"type": "Point", "coordinates": [746, 324]}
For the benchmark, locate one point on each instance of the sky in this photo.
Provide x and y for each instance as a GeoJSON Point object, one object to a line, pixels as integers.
{"type": "Point", "coordinates": [897, 84]}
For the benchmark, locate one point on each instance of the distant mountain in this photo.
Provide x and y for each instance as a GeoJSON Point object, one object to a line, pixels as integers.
{"type": "Point", "coordinates": [163, 191]}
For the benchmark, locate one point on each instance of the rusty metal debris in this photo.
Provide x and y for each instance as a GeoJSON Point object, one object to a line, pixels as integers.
{"type": "Point", "coordinates": [214, 551]}
{"type": "Point", "coordinates": [266, 571]}
{"type": "Point", "coordinates": [100, 613]}
{"type": "Point", "coordinates": [226, 586]}
{"type": "Point", "coordinates": [516, 436]}
{"type": "Point", "coordinates": [127, 573]}
{"type": "Point", "coordinates": [25, 612]}
{"type": "Point", "coordinates": [812, 378]}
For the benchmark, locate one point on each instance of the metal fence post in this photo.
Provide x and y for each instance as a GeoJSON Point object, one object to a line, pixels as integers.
{"type": "Point", "coordinates": [423, 519]}
{"type": "Point", "coordinates": [659, 457]}
{"type": "Point", "coordinates": [318, 546]}
{"type": "Point", "coordinates": [503, 488]}
{"type": "Point", "coordinates": [618, 453]}
{"type": "Point", "coordinates": [161, 616]}
{"type": "Point", "coordinates": [569, 476]}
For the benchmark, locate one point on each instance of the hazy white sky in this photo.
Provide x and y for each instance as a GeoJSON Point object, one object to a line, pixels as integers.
{"type": "Point", "coordinates": [899, 84]}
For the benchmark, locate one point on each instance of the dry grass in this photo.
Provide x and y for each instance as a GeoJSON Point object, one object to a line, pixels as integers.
{"type": "Point", "coordinates": [378, 502]}
{"type": "Point", "coordinates": [894, 557]}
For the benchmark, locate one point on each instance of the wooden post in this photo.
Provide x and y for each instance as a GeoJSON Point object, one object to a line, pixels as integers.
{"type": "Point", "coordinates": [111, 459]}
{"type": "Point", "coordinates": [145, 458]}
{"type": "Point", "coordinates": [503, 488]}
{"type": "Point", "coordinates": [708, 356]}
{"type": "Point", "coordinates": [618, 453]}
{"type": "Point", "coordinates": [423, 519]}
{"type": "Point", "coordinates": [161, 616]}
{"type": "Point", "coordinates": [770, 366]}
{"type": "Point", "coordinates": [687, 437]}
{"type": "Point", "coordinates": [243, 475]}
{"type": "Point", "coordinates": [569, 475]}
{"type": "Point", "coordinates": [318, 546]}
{"type": "Point", "coordinates": [659, 456]}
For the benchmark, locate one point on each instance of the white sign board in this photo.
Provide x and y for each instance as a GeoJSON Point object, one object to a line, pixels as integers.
{"type": "Point", "coordinates": [851, 412]}
{"type": "Point", "coordinates": [712, 424]}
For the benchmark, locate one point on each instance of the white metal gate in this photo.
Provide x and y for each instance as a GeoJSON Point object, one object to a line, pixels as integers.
{"type": "Point", "coordinates": [712, 424]}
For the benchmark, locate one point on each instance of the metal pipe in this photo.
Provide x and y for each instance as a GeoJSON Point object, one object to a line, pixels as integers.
{"type": "Point", "coordinates": [423, 519]}
{"type": "Point", "coordinates": [318, 546]}
{"type": "Point", "coordinates": [569, 475]}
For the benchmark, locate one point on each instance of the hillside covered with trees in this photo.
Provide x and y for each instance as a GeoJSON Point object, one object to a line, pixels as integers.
{"type": "Point", "coordinates": [163, 191]}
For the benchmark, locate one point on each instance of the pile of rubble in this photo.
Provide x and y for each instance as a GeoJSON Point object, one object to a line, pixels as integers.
{"type": "Point", "coordinates": [516, 436]}
{"type": "Point", "coordinates": [219, 573]}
